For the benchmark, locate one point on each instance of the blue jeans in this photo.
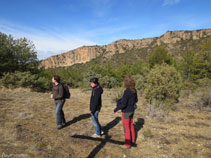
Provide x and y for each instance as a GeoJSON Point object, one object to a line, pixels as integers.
{"type": "Point", "coordinates": [96, 123]}
{"type": "Point", "coordinates": [59, 113]}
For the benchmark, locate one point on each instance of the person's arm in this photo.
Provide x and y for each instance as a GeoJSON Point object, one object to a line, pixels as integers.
{"type": "Point", "coordinates": [60, 93]}
{"type": "Point", "coordinates": [123, 102]}
{"type": "Point", "coordinates": [51, 94]}
{"type": "Point", "coordinates": [97, 94]}
{"type": "Point", "coordinates": [136, 98]}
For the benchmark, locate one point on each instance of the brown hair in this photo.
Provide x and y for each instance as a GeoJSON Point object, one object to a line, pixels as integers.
{"type": "Point", "coordinates": [130, 83]}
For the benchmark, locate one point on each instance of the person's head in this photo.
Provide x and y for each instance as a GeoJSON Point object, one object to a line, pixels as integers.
{"type": "Point", "coordinates": [56, 79]}
{"type": "Point", "coordinates": [129, 82]}
{"type": "Point", "coordinates": [94, 82]}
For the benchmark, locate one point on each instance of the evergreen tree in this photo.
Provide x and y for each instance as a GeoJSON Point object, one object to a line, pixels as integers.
{"type": "Point", "coordinates": [187, 65]}
{"type": "Point", "coordinates": [160, 55]}
{"type": "Point", "coordinates": [17, 55]}
{"type": "Point", "coordinates": [203, 60]}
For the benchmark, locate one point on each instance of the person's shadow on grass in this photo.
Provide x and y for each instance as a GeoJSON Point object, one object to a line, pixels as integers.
{"type": "Point", "coordinates": [77, 119]}
{"type": "Point", "coordinates": [102, 140]}
{"type": "Point", "coordinates": [138, 126]}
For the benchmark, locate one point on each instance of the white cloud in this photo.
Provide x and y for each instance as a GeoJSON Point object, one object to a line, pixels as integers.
{"type": "Point", "coordinates": [170, 2]}
{"type": "Point", "coordinates": [47, 42]}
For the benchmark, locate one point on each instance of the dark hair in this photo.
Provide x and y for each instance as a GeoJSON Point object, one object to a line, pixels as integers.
{"type": "Point", "coordinates": [57, 78]}
{"type": "Point", "coordinates": [130, 83]}
{"type": "Point", "coordinates": [94, 80]}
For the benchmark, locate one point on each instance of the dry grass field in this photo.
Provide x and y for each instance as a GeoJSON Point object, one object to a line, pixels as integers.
{"type": "Point", "coordinates": [28, 129]}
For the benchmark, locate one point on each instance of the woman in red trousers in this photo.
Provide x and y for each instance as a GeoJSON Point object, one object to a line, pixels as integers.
{"type": "Point", "coordinates": [127, 105]}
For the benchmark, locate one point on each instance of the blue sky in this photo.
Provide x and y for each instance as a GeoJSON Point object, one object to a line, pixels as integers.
{"type": "Point", "coordinates": [56, 26]}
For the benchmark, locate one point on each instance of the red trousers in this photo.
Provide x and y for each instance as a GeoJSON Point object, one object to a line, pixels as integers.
{"type": "Point", "coordinates": [129, 130]}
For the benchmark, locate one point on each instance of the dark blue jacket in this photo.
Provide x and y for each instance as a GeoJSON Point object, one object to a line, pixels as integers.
{"type": "Point", "coordinates": [95, 100]}
{"type": "Point", "coordinates": [126, 104]}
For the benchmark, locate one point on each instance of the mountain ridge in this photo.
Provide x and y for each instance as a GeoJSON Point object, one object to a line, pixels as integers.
{"type": "Point", "coordinates": [174, 42]}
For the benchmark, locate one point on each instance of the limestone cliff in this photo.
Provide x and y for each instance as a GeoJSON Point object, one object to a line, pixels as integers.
{"type": "Point", "coordinates": [79, 55]}
{"type": "Point", "coordinates": [87, 53]}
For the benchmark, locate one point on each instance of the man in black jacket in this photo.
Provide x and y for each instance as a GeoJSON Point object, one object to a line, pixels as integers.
{"type": "Point", "coordinates": [95, 105]}
{"type": "Point", "coordinates": [58, 96]}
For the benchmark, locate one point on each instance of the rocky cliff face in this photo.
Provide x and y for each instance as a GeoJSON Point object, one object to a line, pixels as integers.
{"type": "Point", "coordinates": [80, 55]}
{"type": "Point", "coordinates": [87, 53]}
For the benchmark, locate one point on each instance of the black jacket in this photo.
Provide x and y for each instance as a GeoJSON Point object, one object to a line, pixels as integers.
{"type": "Point", "coordinates": [96, 101]}
{"type": "Point", "coordinates": [126, 104]}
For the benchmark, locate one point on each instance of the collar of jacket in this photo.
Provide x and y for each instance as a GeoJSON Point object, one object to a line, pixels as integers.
{"type": "Point", "coordinates": [56, 85]}
{"type": "Point", "coordinates": [95, 87]}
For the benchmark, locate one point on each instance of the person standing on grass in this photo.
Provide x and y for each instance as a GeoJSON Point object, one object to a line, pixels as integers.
{"type": "Point", "coordinates": [95, 105]}
{"type": "Point", "coordinates": [127, 104]}
{"type": "Point", "coordinates": [58, 96]}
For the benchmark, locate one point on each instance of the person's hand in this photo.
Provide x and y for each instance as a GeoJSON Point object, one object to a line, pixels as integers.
{"type": "Point", "coordinates": [113, 112]}
{"type": "Point", "coordinates": [52, 96]}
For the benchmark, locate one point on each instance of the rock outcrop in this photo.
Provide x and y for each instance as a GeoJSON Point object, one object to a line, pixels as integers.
{"type": "Point", "coordinates": [86, 53]}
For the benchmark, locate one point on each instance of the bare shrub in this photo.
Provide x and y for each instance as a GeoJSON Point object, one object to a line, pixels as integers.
{"type": "Point", "coordinates": [201, 98]}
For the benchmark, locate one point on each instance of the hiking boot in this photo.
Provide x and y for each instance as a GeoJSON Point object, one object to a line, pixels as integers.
{"type": "Point", "coordinates": [133, 144]}
{"type": "Point", "coordinates": [95, 136]}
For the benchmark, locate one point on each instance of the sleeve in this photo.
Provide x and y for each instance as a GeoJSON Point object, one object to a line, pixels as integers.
{"type": "Point", "coordinates": [123, 102]}
{"type": "Point", "coordinates": [97, 95]}
{"type": "Point", "coordinates": [60, 94]}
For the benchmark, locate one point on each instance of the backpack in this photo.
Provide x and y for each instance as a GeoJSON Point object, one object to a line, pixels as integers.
{"type": "Point", "coordinates": [66, 91]}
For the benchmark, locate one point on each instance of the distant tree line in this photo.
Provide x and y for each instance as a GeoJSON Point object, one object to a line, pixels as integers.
{"type": "Point", "coordinates": [160, 78]}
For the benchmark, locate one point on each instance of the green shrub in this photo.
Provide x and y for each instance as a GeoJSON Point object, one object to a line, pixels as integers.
{"type": "Point", "coordinates": [140, 82]}
{"type": "Point", "coordinates": [163, 86]}
{"type": "Point", "coordinates": [108, 82]}
{"type": "Point", "coordinates": [160, 55]}
{"type": "Point", "coordinates": [42, 84]}
{"type": "Point", "coordinates": [26, 80]}
{"type": "Point", "coordinates": [18, 79]}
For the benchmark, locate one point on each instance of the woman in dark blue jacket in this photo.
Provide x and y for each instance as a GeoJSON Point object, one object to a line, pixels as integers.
{"type": "Point", "coordinates": [127, 105]}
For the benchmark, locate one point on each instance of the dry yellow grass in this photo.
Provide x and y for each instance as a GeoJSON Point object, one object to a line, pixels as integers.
{"type": "Point", "coordinates": [28, 129]}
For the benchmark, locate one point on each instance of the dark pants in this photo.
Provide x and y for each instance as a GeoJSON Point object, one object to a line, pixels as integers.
{"type": "Point", "coordinates": [129, 131]}
{"type": "Point", "coordinates": [59, 113]}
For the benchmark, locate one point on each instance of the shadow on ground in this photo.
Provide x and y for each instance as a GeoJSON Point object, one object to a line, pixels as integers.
{"type": "Point", "coordinates": [104, 140]}
{"type": "Point", "coordinates": [77, 119]}
{"type": "Point", "coordinates": [138, 126]}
